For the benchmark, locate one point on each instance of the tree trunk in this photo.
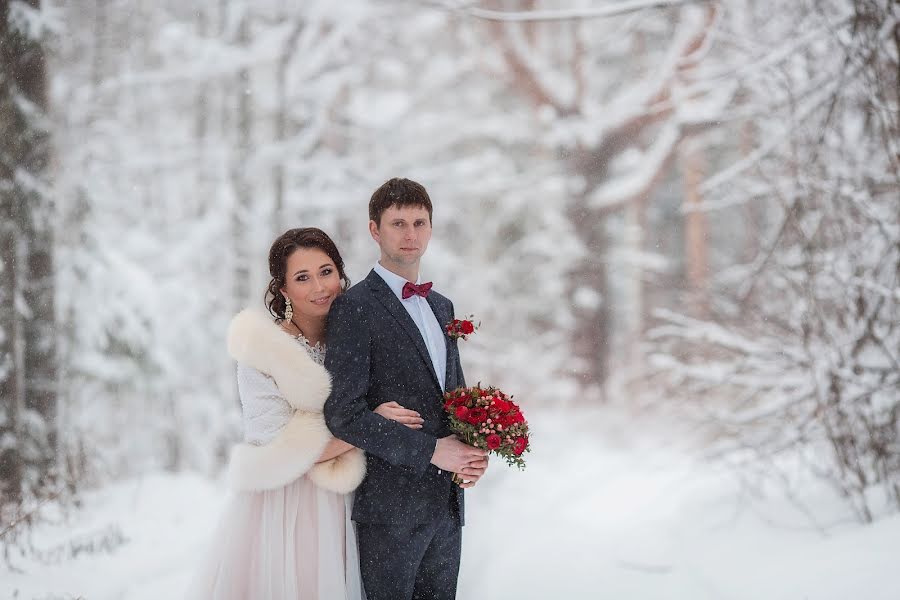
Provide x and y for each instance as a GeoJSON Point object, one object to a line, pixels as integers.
{"type": "Point", "coordinates": [241, 189]}
{"type": "Point", "coordinates": [634, 301]}
{"type": "Point", "coordinates": [281, 123]}
{"type": "Point", "coordinates": [754, 211]}
{"type": "Point", "coordinates": [589, 291]}
{"type": "Point", "coordinates": [12, 387]}
{"type": "Point", "coordinates": [29, 371]}
{"type": "Point", "coordinates": [202, 106]}
{"type": "Point", "coordinates": [696, 231]}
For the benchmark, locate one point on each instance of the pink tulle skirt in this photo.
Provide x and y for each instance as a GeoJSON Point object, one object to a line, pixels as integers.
{"type": "Point", "coordinates": [293, 543]}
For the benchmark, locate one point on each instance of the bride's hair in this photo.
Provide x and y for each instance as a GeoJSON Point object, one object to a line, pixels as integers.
{"type": "Point", "coordinates": [283, 247]}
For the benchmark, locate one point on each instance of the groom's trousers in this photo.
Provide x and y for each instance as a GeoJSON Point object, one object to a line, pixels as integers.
{"type": "Point", "coordinates": [415, 562]}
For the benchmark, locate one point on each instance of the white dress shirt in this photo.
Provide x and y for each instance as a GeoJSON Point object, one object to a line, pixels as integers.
{"type": "Point", "coordinates": [422, 315]}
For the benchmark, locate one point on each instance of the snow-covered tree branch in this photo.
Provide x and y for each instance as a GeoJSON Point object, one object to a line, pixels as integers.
{"type": "Point", "coordinates": [800, 363]}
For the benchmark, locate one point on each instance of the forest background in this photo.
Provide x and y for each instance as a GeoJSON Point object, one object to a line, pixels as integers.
{"type": "Point", "coordinates": [684, 209]}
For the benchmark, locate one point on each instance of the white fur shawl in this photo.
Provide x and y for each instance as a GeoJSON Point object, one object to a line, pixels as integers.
{"type": "Point", "coordinates": [254, 340]}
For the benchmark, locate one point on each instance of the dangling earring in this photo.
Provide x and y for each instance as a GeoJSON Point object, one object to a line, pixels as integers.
{"type": "Point", "coordinates": [288, 309]}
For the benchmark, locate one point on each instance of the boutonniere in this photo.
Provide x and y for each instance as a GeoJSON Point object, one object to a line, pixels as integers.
{"type": "Point", "coordinates": [462, 328]}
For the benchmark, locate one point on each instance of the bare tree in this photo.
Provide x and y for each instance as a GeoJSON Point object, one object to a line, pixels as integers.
{"type": "Point", "coordinates": [800, 362]}
{"type": "Point", "coordinates": [616, 142]}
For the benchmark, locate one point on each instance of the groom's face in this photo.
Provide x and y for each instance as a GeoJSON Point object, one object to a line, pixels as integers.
{"type": "Point", "coordinates": [403, 233]}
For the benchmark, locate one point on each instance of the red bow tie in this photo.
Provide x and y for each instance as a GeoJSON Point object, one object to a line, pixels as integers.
{"type": "Point", "coordinates": [411, 289]}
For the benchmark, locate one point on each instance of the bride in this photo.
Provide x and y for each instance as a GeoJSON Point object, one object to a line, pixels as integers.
{"type": "Point", "coordinates": [286, 533]}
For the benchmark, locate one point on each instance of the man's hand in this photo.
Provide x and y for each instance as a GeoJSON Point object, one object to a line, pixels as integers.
{"type": "Point", "coordinates": [452, 455]}
{"type": "Point", "coordinates": [467, 480]}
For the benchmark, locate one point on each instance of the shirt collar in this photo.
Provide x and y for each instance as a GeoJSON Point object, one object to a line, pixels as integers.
{"type": "Point", "coordinates": [394, 281]}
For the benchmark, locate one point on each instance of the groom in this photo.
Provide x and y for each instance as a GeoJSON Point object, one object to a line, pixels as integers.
{"type": "Point", "coordinates": [386, 342]}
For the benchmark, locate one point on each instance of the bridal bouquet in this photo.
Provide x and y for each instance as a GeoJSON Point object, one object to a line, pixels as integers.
{"type": "Point", "coordinates": [488, 419]}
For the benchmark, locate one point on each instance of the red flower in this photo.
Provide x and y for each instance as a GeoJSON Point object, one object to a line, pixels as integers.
{"type": "Point", "coordinates": [501, 405]}
{"type": "Point", "coordinates": [476, 416]}
{"type": "Point", "coordinates": [506, 420]}
{"type": "Point", "coordinates": [519, 445]}
{"type": "Point", "coordinates": [461, 328]}
{"type": "Point", "coordinates": [487, 418]}
{"type": "Point", "coordinates": [454, 399]}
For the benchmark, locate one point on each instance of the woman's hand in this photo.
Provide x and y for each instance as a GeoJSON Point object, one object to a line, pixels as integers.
{"type": "Point", "coordinates": [404, 416]}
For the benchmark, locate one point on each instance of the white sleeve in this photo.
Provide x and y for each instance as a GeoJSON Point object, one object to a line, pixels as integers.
{"type": "Point", "coordinates": [264, 410]}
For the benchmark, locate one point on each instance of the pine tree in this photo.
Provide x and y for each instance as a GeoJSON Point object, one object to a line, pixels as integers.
{"type": "Point", "coordinates": [28, 365]}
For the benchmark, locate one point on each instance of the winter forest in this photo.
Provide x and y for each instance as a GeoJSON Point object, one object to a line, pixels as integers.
{"type": "Point", "coordinates": [678, 222]}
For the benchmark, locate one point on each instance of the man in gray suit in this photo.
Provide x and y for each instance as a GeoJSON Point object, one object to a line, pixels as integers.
{"type": "Point", "coordinates": [387, 342]}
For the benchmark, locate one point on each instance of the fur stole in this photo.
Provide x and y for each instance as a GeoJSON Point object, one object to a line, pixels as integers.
{"type": "Point", "coordinates": [256, 341]}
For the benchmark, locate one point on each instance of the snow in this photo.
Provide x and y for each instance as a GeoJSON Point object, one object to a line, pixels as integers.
{"type": "Point", "coordinates": [153, 227]}
{"type": "Point", "coordinates": [611, 505]}
{"type": "Point", "coordinates": [34, 23]}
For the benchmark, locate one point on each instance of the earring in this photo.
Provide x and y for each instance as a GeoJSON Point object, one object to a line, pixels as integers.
{"type": "Point", "coordinates": [288, 309]}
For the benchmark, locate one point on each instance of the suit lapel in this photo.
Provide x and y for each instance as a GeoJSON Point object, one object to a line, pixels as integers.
{"type": "Point", "coordinates": [443, 318]}
{"type": "Point", "coordinates": [392, 304]}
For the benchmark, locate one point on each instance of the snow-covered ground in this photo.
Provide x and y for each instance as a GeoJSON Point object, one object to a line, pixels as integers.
{"type": "Point", "coordinates": [608, 508]}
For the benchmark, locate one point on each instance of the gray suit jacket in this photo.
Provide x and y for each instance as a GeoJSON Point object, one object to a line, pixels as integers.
{"type": "Point", "coordinates": [376, 354]}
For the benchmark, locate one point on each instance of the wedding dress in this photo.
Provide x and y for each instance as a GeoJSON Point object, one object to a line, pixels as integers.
{"type": "Point", "coordinates": [295, 542]}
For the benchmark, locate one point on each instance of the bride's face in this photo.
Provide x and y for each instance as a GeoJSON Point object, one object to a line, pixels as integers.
{"type": "Point", "coordinates": [312, 282]}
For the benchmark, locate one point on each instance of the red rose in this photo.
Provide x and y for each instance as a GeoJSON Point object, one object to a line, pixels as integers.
{"type": "Point", "coordinates": [461, 413]}
{"type": "Point", "coordinates": [518, 418]}
{"type": "Point", "coordinates": [476, 416]}
{"type": "Point", "coordinates": [506, 420]}
{"type": "Point", "coordinates": [493, 441]}
{"type": "Point", "coordinates": [501, 405]}
{"type": "Point", "coordinates": [519, 445]}
{"type": "Point", "coordinates": [466, 327]}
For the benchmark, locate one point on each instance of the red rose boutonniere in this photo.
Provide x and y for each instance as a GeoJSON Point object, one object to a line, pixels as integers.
{"type": "Point", "coordinates": [462, 328]}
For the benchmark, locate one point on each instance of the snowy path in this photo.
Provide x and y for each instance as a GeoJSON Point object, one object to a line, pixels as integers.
{"type": "Point", "coordinates": [611, 515]}
{"type": "Point", "coordinates": [629, 519]}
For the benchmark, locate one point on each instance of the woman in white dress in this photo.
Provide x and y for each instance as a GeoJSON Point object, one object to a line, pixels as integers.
{"type": "Point", "coordinates": [286, 534]}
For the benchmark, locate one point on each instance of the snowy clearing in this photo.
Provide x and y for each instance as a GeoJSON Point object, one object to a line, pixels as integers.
{"type": "Point", "coordinates": [599, 513]}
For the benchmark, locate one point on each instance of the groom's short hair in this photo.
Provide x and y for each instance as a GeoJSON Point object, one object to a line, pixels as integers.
{"type": "Point", "coordinates": [398, 192]}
